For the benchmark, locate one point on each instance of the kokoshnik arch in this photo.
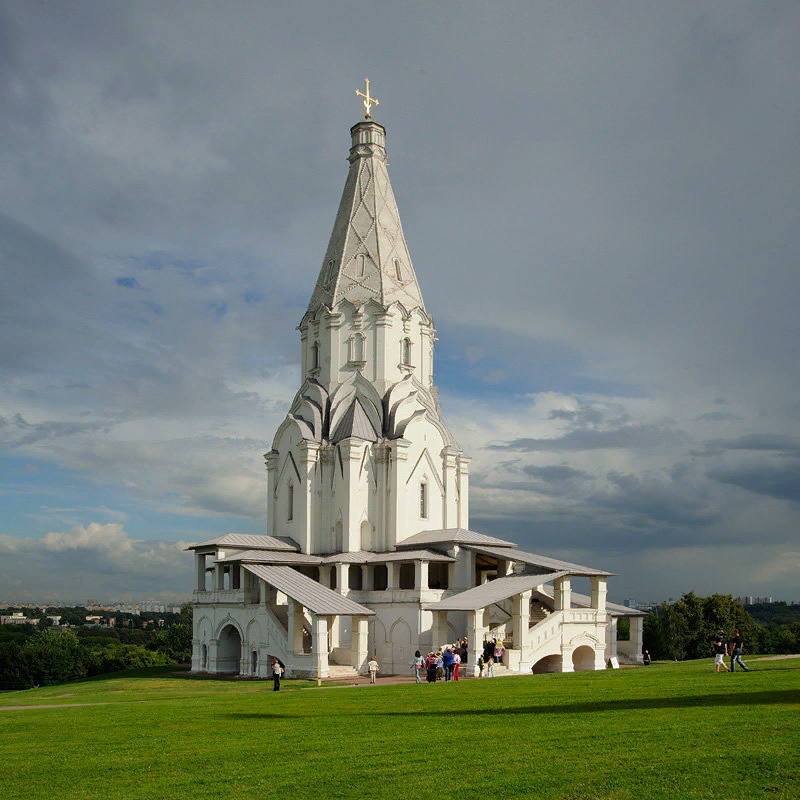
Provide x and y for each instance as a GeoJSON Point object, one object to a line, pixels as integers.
{"type": "Point", "coordinates": [370, 549]}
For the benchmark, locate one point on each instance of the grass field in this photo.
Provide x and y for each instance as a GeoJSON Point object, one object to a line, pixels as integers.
{"type": "Point", "coordinates": [669, 730]}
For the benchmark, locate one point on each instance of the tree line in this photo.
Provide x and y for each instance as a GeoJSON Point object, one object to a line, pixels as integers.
{"type": "Point", "coordinates": [42, 655]}
{"type": "Point", "coordinates": [685, 629]}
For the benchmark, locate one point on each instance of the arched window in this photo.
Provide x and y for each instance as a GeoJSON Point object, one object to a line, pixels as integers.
{"type": "Point", "coordinates": [406, 354]}
{"type": "Point", "coordinates": [423, 500]}
{"type": "Point", "coordinates": [315, 355]}
{"type": "Point", "coordinates": [397, 271]}
{"type": "Point", "coordinates": [329, 271]}
{"type": "Point", "coordinates": [290, 503]}
{"type": "Point", "coordinates": [360, 266]}
{"type": "Point", "coordinates": [357, 347]}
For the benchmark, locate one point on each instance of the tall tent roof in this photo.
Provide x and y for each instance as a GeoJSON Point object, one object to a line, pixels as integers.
{"type": "Point", "coordinates": [367, 256]}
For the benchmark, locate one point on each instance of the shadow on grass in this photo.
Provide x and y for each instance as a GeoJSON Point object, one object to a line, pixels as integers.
{"type": "Point", "coordinates": [645, 704]}
{"type": "Point", "coordinates": [250, 716]}
{"type": "Point", "coordinates": [788, 697]}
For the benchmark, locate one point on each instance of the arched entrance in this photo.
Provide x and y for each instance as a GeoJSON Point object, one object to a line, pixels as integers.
{"type": "Point", "coordinates": [547, 664]}
{"type": "Point", "coordinates": [583, 658]}
{"type": "Point", "coordinates": [229, 650]}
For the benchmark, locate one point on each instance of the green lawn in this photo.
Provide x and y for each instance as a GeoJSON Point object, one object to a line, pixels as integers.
{"type": "Point", "coordinates": [669, 730]}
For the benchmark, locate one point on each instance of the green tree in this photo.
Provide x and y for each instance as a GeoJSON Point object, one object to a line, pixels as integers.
{"type": "Point", "coordinates": [52, 656]}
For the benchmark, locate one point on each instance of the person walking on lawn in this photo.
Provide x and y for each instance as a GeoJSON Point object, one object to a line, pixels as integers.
{"type": "Point", "coordinates": [720, 651]}
{"type": "Point", "coordinates": [736, 652]}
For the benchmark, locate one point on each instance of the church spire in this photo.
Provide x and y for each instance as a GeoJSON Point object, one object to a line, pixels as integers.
{"type": "Point", "coordinates": [367, 256]}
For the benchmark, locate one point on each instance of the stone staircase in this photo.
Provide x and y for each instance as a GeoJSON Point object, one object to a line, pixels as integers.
{"type": "Point", "coordinates": [340, 672]}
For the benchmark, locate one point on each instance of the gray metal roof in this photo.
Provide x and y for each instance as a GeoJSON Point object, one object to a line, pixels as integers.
{"type": "Point", "coordinates": [251, 541]}
{"type": "Point", "coordinates": [492, 592]}
{"type": "Point", "coordinates": [536, 560]}
{"type": "Point", "coordinates": [357, 557]}
{"type": "Point", "coordinates": [269, 557]}
{"type": "Point", "coordinates": [310, 594]}
{"type": "Point", "coordinates": [452, 535]}
{"type": "Point", "coordinates": [584, 601]}
{"type": "Point", "coordinates": [367, 557]}
{"type": "Point", "coordinates": [355, 422]}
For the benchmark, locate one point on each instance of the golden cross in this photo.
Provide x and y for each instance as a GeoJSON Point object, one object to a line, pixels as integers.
{"type": "Point", "coordinates": [368, 101]}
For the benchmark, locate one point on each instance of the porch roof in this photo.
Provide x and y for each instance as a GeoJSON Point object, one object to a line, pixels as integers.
{"type": "Point", "coordinates": [543, 562]}
{"type": "Point", "coordinates": [251, 541]}
{"type": "Point", "coordinates": [454, 536]}
{"type": "Point", "coordinates": [357, 557]}
{"type": "Point", "coordinates": [270, 557]}
{"type": "Point", "coordinates": [310, 594]}
{"type": "Point", "coordinates": [492, 592]}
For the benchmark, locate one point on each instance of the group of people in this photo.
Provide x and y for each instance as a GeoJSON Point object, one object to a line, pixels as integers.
{"type": "Point", "coordinates": [493, 652]}
{"type": "Point", "coordinates": [443, 663]}
{"type": "Point", "coordinates": [721, 650]}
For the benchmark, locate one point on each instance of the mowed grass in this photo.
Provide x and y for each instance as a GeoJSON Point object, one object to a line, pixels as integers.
{"type": "Point", "coordinates": [669, 730]}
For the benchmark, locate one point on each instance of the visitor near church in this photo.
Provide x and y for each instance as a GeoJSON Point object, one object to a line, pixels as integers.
{"type": "Point", "coordinates": [447, 661]}
{"type": "Point", "coordinates": [430, 665]}
{"type": "Point", "coordinates": [456, 664]}
{"type": "Point", "coordinates": [490, 668]}
{"type": "Point", "coordinates": [736, 652]}
{"type": "Point", "coordinates": [720, 651]}
{"type": "Point", "coordinates": [417, 666]}
{"type": "Point", "coordinates": [276, 675]}
{"type": "Point", "coordinates": [373, 669]}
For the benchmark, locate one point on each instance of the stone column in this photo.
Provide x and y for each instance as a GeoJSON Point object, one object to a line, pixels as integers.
{"type": "Point", "coordinates": [325, 575]}
{"type": "Point", "coordinates": [599, 591]}
{"type": "Point", "coordinates": [294, 637]}
{"type": "Point", "coordinates": [439, 629]}
{"type": "Point", "coordinates": [475, 637]}
{"type": "Point", "coordinates": [342, 578]}
{"type": "Point", "coordinates": [200, 571]}
{"type": "Point", "coordinates": [367, 577]}
{"type": "Point", "coordinates": [319, 644]}
{"type": "Point", "coordinates": [521, 613]}
{"type": "Point", "coordinates": [197, 655]}
{"type": "Point", "coordinates": [392, 575]}
{"type": "Point", "coordinates": [420, 575]}
{"type": "Point", "coordinates": [213, 645]}
{"type": "Point", "coordinates": [562, 593]}
{"type": "Point", "coordinates": [360, 642]}
{"type": "Point", "coordinates": [219, 576]}
{"type": "Point", "coordinates": [637, 642]}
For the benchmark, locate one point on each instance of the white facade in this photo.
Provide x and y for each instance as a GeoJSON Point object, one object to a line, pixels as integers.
{"type": "Point", "coordinates": [368, 494]}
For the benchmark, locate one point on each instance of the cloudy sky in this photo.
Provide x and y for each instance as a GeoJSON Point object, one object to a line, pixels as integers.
{"type": "Point", "coordinates": [601, 201]}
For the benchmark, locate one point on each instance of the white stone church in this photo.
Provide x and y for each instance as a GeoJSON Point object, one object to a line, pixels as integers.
{"type": "Point", "coordinates": [370, 549]}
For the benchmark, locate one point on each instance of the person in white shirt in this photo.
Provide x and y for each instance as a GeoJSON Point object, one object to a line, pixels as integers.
{"type": "Point", "coordinates": [373, 669]}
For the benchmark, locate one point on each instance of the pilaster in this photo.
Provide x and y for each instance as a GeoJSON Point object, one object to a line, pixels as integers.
{"type": "Point", "coordinates": [450, 480]}
{"type": "Point", "coordinates": [398, 529]}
